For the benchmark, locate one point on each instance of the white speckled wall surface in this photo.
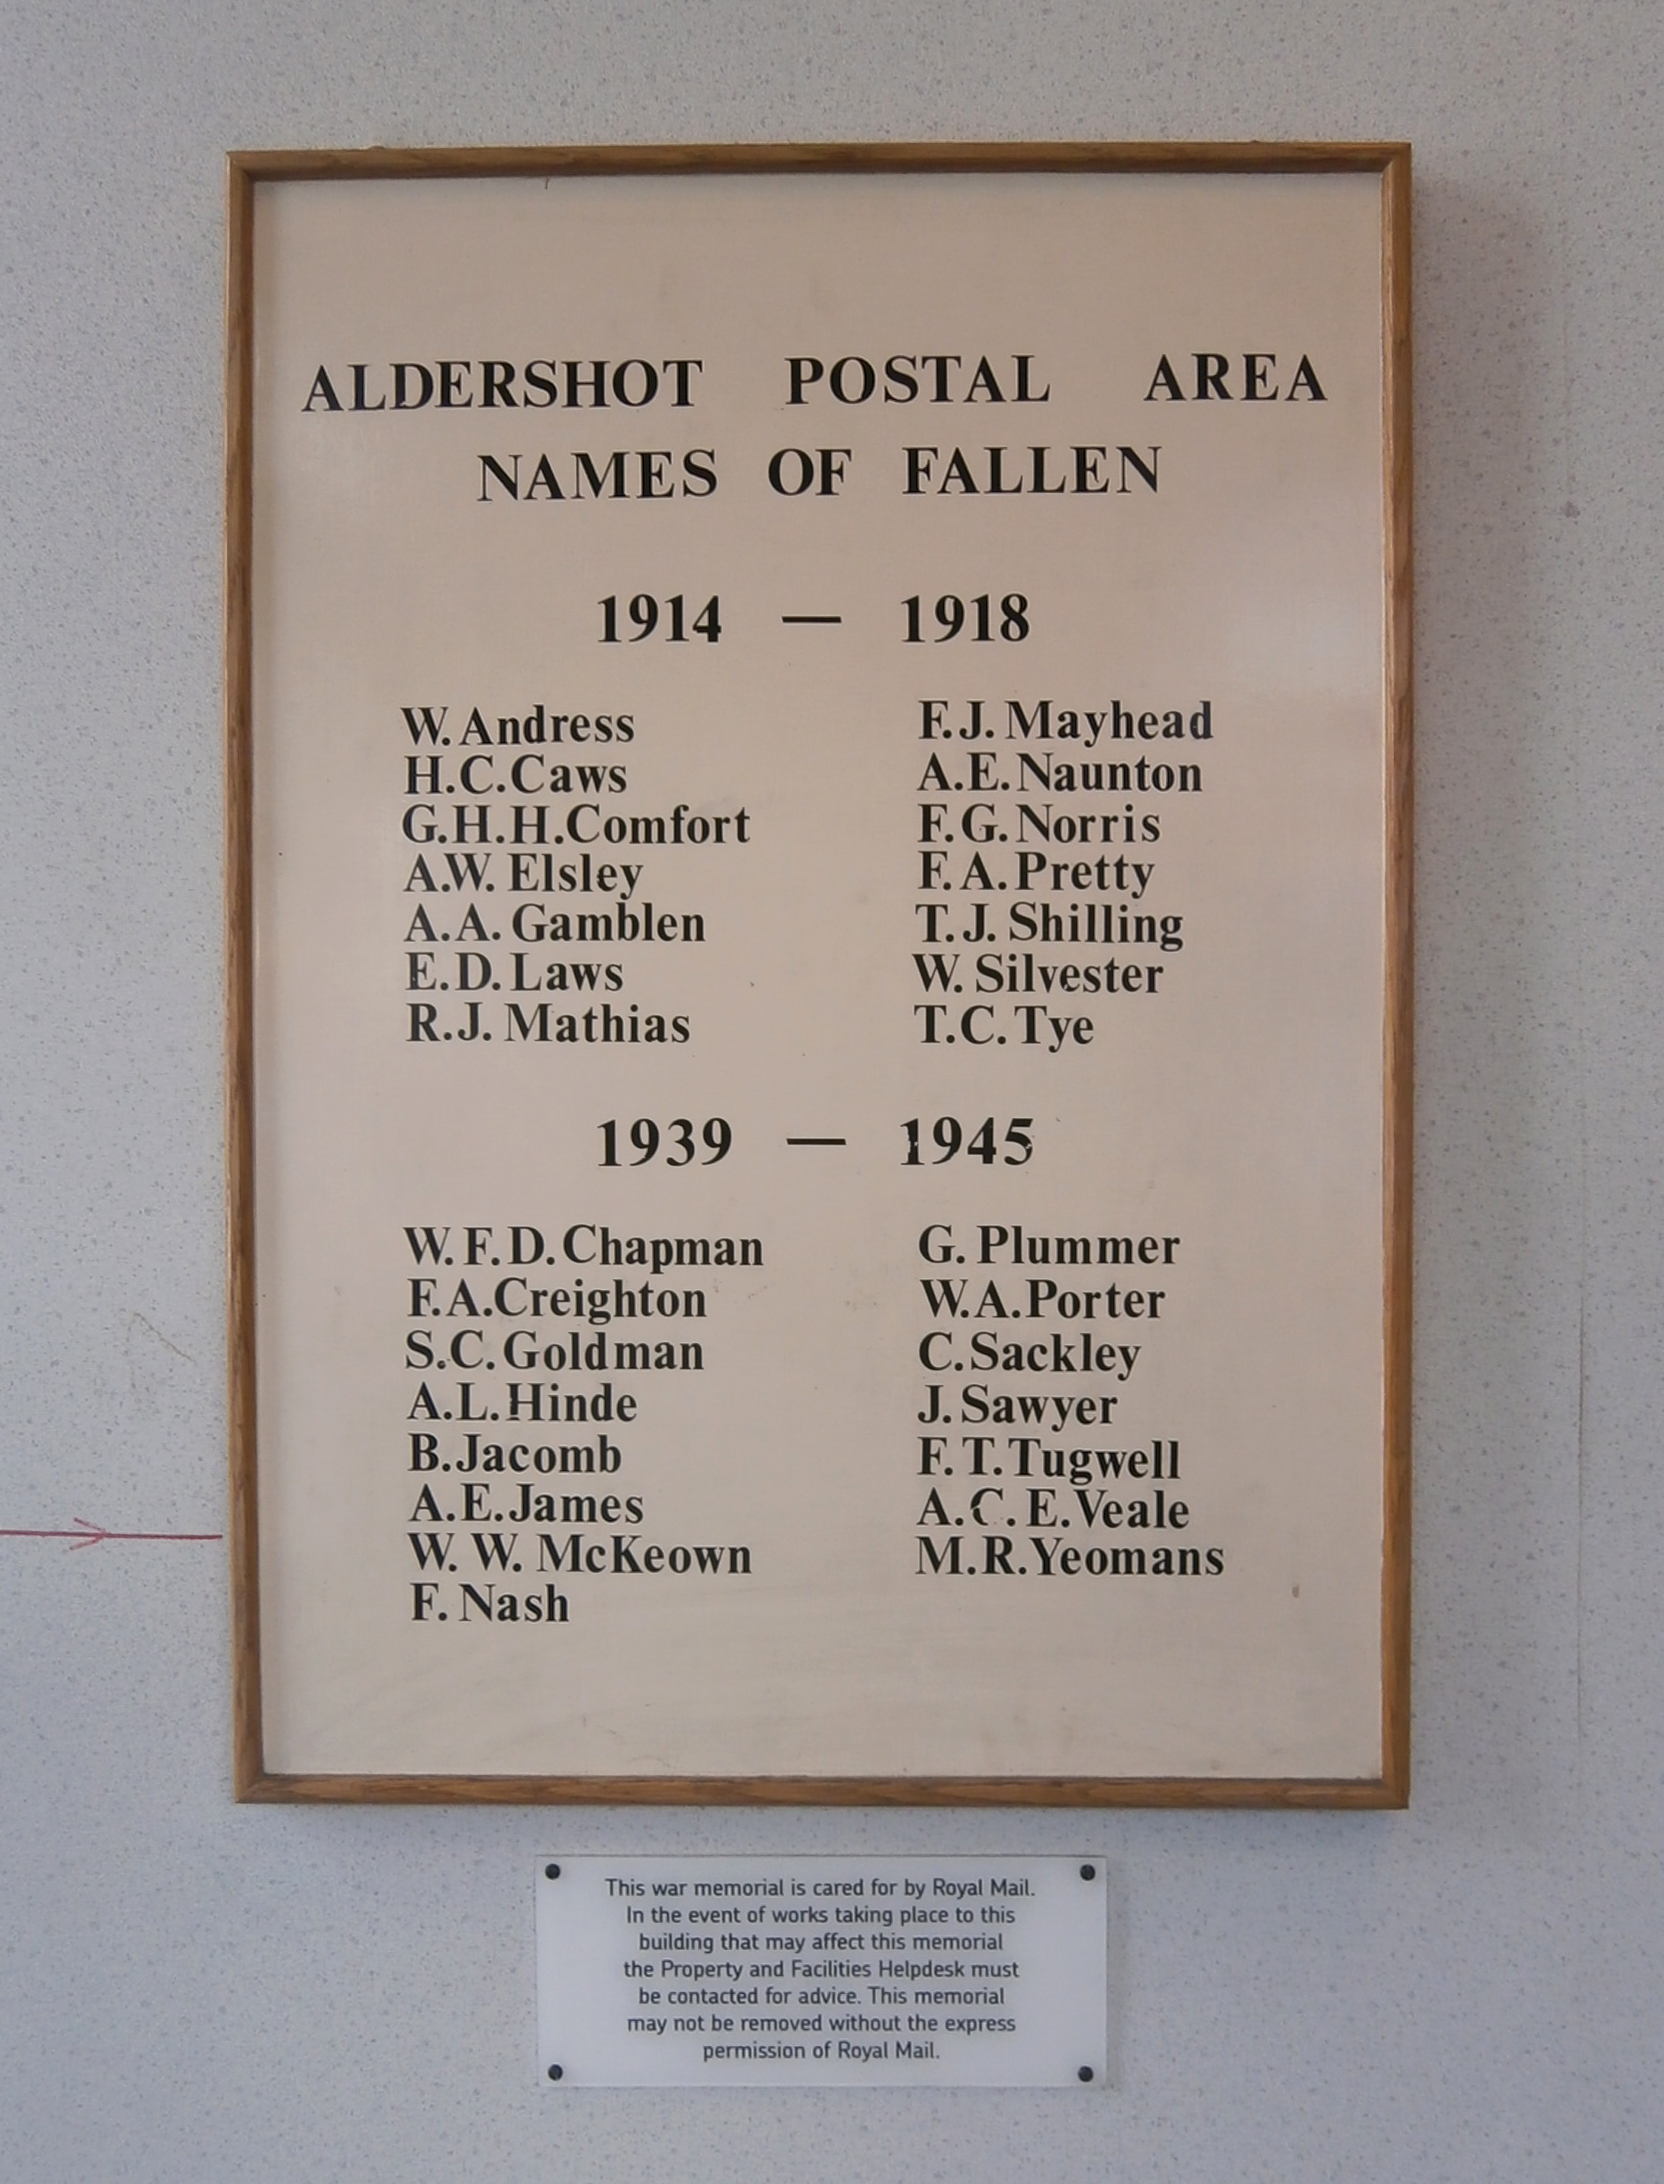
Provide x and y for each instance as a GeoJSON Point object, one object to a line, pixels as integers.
{"type": "Point", "coordinates": [196, 1992]}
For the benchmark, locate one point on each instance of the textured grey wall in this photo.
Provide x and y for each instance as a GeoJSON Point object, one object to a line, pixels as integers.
{"type": "Point", "coordinates": [1470, 1990]}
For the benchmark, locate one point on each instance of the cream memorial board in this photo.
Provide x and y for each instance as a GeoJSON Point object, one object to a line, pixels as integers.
{"type": "Point", "coordinates": [819, 982]}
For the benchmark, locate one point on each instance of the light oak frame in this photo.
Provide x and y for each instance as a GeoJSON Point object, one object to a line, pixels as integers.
{"type": "Point", "coordinates": [246, 170]}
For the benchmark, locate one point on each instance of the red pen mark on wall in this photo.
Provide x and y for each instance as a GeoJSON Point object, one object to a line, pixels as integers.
{"type": "Point", "coordinates": [84, 1534]}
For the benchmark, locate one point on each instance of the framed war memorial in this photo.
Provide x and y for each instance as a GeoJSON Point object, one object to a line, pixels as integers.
{"type": "Point", "coordinates": [819, 893]}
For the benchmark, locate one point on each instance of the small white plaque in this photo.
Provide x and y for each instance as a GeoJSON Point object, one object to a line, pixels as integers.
{"type": "Point", "coordinates": [822, 1971]}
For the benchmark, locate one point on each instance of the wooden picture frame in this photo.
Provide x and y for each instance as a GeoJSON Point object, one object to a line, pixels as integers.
{"type": "Point", "coordinates": [345, 1687]}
